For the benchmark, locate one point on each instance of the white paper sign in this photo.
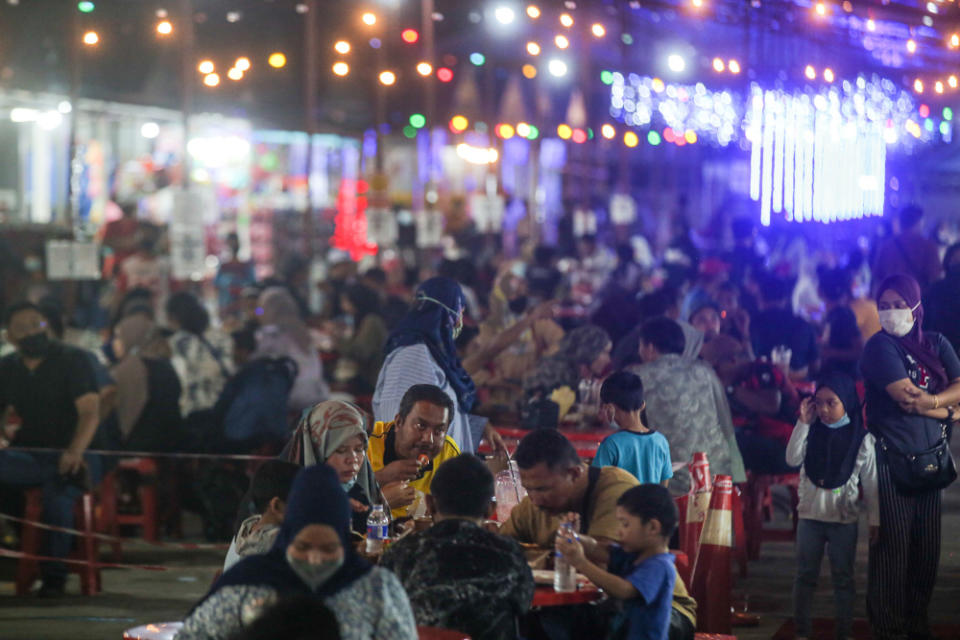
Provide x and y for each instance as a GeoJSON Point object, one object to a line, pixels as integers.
{"type": "Point", "coordinates": [623, 209]}
{"type": "Point", "coordinates": [68, 260]}
{"type": "Point", "coordinates": [429, 229]}
{"type": "Point", "coordinates": [382, 227]}
{"type": "Point", "coordinates": [187, 243]}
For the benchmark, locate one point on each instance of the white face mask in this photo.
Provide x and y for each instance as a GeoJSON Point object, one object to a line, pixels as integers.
{"type": "Point", "coordinates": [898, 322]}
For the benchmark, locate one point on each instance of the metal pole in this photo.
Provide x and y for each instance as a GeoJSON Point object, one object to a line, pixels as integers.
{"type": "Point", "coordinates": [186, 86]}
{"type": "Point", "coordinates": [429, 50]}
{"type": "Point", "coordinates": [76, 70]}
{"type": "Point", "coordinates": [310, 107]}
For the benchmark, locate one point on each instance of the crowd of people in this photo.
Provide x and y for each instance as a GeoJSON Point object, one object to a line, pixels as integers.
{"type": "Point", "coordinates": [384, 395]}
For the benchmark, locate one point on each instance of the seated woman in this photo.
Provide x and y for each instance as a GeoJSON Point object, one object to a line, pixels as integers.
{"type": "Point", "coordinates": [147, 416]}
{"type": "Point", "coordinates": [312, 556]}
{"type": "Point", "coordinates": [333, 432]}
{"type": "Point", "coordinates": [583, 353]}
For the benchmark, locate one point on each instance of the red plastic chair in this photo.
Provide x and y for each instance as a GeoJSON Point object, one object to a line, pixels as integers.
{"type": "Point", "coordinates": [28, 569]}
{"type": "Point", "coordinates": [434, 633]}
{"type": "Point", "coordinates": [147, 519]}
{"type": "Point", "coordinates": [759, 509]}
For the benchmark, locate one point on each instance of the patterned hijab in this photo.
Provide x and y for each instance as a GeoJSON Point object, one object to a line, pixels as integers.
{"type": "Point", "coordinates": [322, 429]}
{"type": "Point", "coordinates": [916, 342]}
{"type": "Point", "coordinates": [579, 347]}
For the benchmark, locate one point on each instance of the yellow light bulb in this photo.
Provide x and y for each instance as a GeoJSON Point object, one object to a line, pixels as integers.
{"type": "Point", "coordinates": [533, 11]}
{"type": "Point", "coordinates": [566, 20]}
{"type": "Point", "coordinates": [277, 60]}
{"type": "Point", "coordinates": [598, 30]}
{"type": "Point", "coordinates": [424, 68]}
{"type": "Point", "coordinates": [533, 48]}
{"type": "Point", "coordinates": [561, 42]}
{"type": "Point", "coordinates": [342, 47]}
{"type": "Point", "coordinates": [164, 28]}
{"type": "Point", "coordinates": [341, 68]}
{"type": "Point", "coordinates": [630, 139]}
{"type": "Point", "coordinates": [387, 78]}
{"type": "Point", "coordinates": [529, 71]}
{"type": "Point", "coordinates": [242, 63]}
{"type": "Point", "coordinates": [369, 18]}
{"type": "Point", "coordinates": [235, 74]}
{"type": "Point", "coordinates": [205, 67]}
{"type": "Point", "coordinates": [90, 38]}
{"type": "Point", "coordinates": [211, 80]}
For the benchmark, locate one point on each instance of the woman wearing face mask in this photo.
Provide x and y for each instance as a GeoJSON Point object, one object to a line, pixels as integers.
{"type": "Point", "coordinates": [839, 461]}
{"type": "Point", "coordinates": [334, 432]}
{"type": "Point", "coordinates": [913, 387]}
{"type": "Point", "coordinates": [312, 557]}
{"type": "Point", "coordinates": [421, 350]}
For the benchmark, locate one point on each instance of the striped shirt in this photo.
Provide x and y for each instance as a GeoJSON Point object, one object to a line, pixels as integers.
{"type": "Point", "coordinates": [414, 364]}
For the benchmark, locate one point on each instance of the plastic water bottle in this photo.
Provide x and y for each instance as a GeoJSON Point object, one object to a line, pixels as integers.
{"type": "Point", "coordinates": [377, 525]}
{"type": "Point", "coordinates": [564, 573]}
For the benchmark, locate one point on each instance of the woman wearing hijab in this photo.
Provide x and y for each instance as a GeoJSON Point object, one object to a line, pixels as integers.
{"type": "Point", "coordinates": [839, 460]}
{"type": "Point", "coordinates": [311, 557]}
{"type": "Point", "coordinates": [913, 386]}
{"type": "Point", "coordinates": [333, 432]}
{"type": "Point", "coordinates": [283, 334]}
{"type": "Point", "coordinates": [421, 350]}
{"type": "Point", "coordinates": [148, 389]}
{"type": "Point", "coordinates": [583, 353]}
{"type": "Point", "coordinates": [364, 348]}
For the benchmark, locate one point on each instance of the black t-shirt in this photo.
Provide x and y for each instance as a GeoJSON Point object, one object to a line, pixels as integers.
{"type": "Point", "coordinates": [885, 361]}
{"type": "Point", "coordinates": [843, 334]}
{"type": "Point", "coordinates": [158, 428]}
{"type": "Point", "coordinates": [45, 398]}
{"type": "Point", "coordinates": [775, 327]}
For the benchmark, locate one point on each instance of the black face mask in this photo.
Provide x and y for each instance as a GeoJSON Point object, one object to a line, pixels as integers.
{"type": "Point", "coordinates": [36, 345]}
{"type": "Point", "coordinates": [518, 305]}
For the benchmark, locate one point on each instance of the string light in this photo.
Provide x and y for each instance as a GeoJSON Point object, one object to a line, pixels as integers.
{"type": "Point", "coordinates": [504, 131]}
{"type": "Point", "coordinates": [387, 78]}
{"type": "Point", "coordinates": [418, 121]}
{"type": "Point", "coordinates": [211, 80]}
{"type": "Point", "coordinates": [810, 72]}
{"type": "Point", "coordinates": [90, 38]}
{"type": "Point", "coordinates": [205, 67]}
{"type": "Point", "coordinates": [871, 25]}
{"type": "Point", "coordinates": [424, 68]}
{"type": "Point", "coordinates": [955, 40]}
{"type": "Point", "coordinates": [911, 45]}
{"type": "Point", "coordinates": [459, 124]}
{"type": "Point", "coordinates": [235, 74]}
{"type": "Point", "coordinates": [561, 42]}
{"type": "Point", "coordinates": [533, 48]}
{"type": "Point", "coordinates": [477, 59]}
{"type": "Point", "coordinates": [242, 63]}
{"type": "Point", "coordinates": [938, 87]}
{"type": "Point", "coordinates": [85, 7]}
{"type": "Point", "coordinates": [410, 36]}
{"type": "Point", "coordinates": [566, 20]}
{"type": "Point", "coordinates": [918, 85]}
{"type": "Point", "coordinates": [579, 136]}
{"type": "Point", "coordinates": [557, 68]}
{"type": "Point", "coordinates": [608, 132]}
{"type": "Point", "coordinates": [529, 71]}
{"type": "Point", "coordinates": [342, 47]}
{"type": "Point", "coordinates": [523, 130]}
{"type": "Point", "coordinates": [733, 66]}
{"type": "Point", "coordinates": [533, 11]}
{"type": "Point", "coordinates": [821, 9]}
{"type": "Point", "coordinates": [444, 74]}
{"type": "Point", "coordinates": [828, 75]}
{"type": "Point", "coordinates": [164, 28]}
{"type": "Point", "coordinates": [369, 18]}
{"type": "Point", "coordinates": [564, 132]}
{"type": "Point", "coordinates": [341, 68]}
{"type": "Point", "coordinates": [277, 60]}
{"type": "Point", "coordinates": [598, 30]}
{"type": "Point", "coordinates": [718, 65]}
{"type": "Point", "coordinates": [952, 81]}
{"type": "Point", "coordinates": [696, 3]}
{"type": "Point", "coordinates": [504, 15]}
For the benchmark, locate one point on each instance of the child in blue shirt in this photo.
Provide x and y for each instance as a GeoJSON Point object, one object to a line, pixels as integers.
{"type": "Point", "coordinates": [635, 448]}
{"type": "Point", "coordinates": [641, 570]}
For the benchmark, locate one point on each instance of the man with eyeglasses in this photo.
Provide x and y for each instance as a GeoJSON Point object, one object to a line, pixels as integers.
{"type": "Point", "coordinates": [411, 448]}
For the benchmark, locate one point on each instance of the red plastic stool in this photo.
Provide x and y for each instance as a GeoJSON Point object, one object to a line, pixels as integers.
{"type": "Point", "coordinates": [148, 519]}
{"type": "Point", "coordinates": [759, 509]}
{"type": "Point", "coordinates": [28, 569]}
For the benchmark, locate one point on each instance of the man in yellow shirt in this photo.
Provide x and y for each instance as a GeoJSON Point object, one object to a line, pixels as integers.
{"type": "Point", "coordinates": [406, 453]}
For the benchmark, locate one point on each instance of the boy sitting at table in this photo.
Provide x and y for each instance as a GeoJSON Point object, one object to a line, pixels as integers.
{"type": "Point", "coordinates": [641, 569]}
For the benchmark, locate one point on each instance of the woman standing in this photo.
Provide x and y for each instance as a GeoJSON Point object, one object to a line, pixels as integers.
{"type": "Point", "coordinates": [913, 387]}
{"type": "Point", "coordinates": [421, 350]}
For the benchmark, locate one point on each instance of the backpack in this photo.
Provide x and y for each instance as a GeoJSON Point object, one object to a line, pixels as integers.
{"type": "Point", "coordinates": [252, 408]}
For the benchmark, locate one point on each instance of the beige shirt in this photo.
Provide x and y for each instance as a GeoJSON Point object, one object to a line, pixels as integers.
{"type": "Point", "coordinates": [530, 524]}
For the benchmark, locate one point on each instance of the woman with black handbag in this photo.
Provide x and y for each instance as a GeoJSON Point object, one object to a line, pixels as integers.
{"type": "Point", "coordinates": [913, 389]}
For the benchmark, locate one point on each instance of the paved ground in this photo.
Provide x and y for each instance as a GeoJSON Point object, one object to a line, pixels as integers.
{"type": "Point", "coordinates": [131, 598]}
